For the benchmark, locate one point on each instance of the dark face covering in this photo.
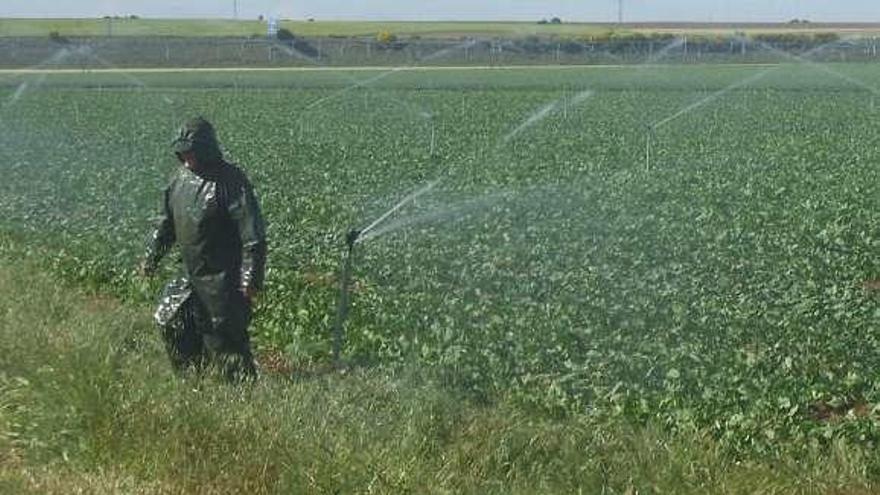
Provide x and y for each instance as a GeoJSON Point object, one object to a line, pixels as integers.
{"type": "Point", "coordinates": [189, 160]}
{"type": "Point", "coordinates": [197, 139]}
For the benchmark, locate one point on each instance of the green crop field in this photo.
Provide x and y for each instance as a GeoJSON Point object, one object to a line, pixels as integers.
{"type": "Point", "coordinates": [682, 246]}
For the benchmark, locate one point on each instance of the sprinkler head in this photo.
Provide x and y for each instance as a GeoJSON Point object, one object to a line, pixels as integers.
{"type": "Point", "coordinates": [351, 237]}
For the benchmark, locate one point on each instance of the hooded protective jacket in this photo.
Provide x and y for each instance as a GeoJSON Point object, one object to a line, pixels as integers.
{"type": "Point", "coordinates": [214, 216]}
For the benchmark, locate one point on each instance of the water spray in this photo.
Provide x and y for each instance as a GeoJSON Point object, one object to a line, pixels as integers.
{"type": "Point", "coordinates": [547, 110]}
{"type": "Point", "coordinates": [433, 139]}
{"type": "Point", "coordinates": [353, 237]}
{"type": "Point", "coordinates": [382, 75]}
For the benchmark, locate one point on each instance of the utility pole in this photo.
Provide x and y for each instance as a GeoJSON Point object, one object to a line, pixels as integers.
{"type": "Point", "coordinates": [620, 12]}
{"type": "Point", "coordinates": [235, 9]}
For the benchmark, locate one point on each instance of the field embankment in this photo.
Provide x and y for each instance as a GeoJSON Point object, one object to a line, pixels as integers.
{"type": "Point", "coordinates": [113, 42]}
{"type": "Point", "coordinates": [88, 405]}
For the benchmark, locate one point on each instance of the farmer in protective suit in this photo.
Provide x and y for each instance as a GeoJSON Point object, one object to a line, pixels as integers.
{"type": "Point", "coordinates": [211, 212]}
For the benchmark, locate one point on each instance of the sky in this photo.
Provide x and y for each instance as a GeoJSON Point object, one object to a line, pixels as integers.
{"type": "Point", "coordinates": [426, 10]}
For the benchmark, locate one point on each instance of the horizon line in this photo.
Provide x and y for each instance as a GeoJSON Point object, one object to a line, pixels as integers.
{"type": "Point", "coordinates": [451, 21]}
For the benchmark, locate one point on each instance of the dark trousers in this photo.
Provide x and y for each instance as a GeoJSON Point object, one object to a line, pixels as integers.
{"type": "Point", "coordinates": [197, 342]}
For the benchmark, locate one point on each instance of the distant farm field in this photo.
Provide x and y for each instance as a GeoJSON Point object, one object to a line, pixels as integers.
{"type": "Point", "coordinates": [686, 246]}
{"type": "Point", "coordinates": [318, 28]}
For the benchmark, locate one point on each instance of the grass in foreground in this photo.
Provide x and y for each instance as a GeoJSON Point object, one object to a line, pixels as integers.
{"type": "Point", "coordinates": [88, 405]}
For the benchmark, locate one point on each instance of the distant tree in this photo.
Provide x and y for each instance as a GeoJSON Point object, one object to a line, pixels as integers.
{"type": "Point", "coordinates": [533, 45]}
{"type": "Point", "coordinates": [55, 37]}
{"type": "Point", "coordinates": [571, 47]}
{"type": "Point", "coordinates": [302, 46]}
{"type": "Point", "coordinates": [299, 44]}
{"type": "Point", "coordinates": [542, 21]}
{"type": "Point", "coordinates": [260, 18]}
{"type": "Point", "coordinates": [133, 17]}
{"type": "Point", "coordinates": [386, 37]}
{"type": "Point", "coordinates": [285, 34]}
{"type": "Point", "coordinates": [556, 20]}
{"type": "Point", "coordinates": [825, 38]}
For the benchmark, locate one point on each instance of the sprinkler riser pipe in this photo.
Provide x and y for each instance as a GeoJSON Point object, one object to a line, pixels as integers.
{"type": "Point", "coordinates": [344, 296]}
